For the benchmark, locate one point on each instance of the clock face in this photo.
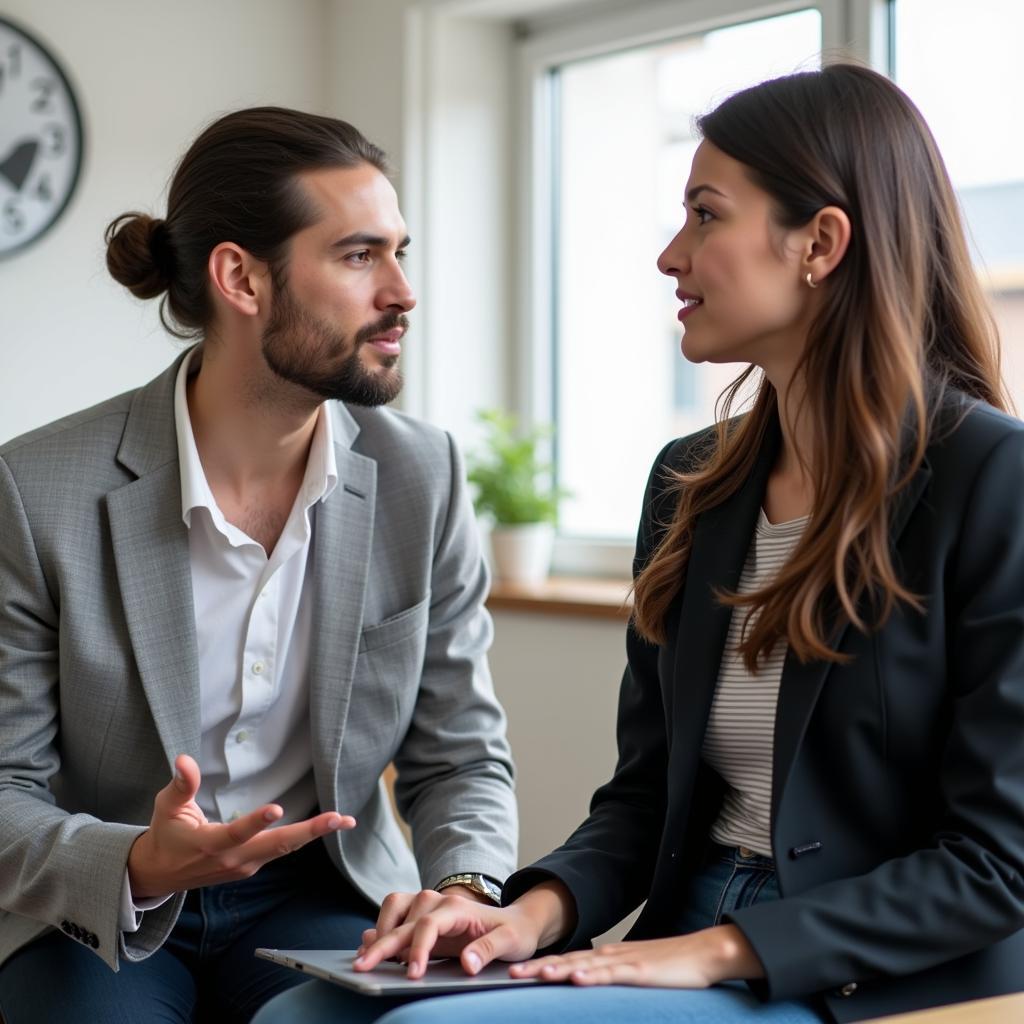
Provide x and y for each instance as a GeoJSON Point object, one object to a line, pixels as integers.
{"type": "Point", "coordinates": [40, 139]}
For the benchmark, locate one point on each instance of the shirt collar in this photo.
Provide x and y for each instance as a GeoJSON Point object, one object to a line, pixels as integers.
{"type": "Point", "coordinates": [319, 481]}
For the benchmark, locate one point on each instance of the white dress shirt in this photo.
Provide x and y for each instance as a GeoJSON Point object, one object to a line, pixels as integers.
{"type": "Point", "coordinates": [253, 623]}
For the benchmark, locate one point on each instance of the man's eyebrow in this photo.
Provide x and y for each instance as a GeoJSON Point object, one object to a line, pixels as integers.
{"type": "Point", "coordinates": [691, 196]}
{"type": "Point", "coordinates": [365, 238]}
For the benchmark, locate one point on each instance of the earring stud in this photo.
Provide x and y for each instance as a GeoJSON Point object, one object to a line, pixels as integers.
{"type": "Point", "coordinates": [810, 280]}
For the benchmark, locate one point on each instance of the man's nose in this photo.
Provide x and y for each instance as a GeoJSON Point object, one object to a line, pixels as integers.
{"type": "Point", "coordinates": [396, 293]}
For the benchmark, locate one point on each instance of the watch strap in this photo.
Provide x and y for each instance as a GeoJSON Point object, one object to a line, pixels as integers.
{"type": "Point", "coordinates": [475, 882]}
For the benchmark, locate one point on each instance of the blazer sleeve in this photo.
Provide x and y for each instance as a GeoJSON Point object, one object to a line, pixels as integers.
{"type": "Point", "coordinates": [965, 890]}
{"type": "Point", "coordinates": [454, 783]}
{"type": "Point", "coordinates": [607, 863]}
{"type": "Point", "coordinates": [63, 869]}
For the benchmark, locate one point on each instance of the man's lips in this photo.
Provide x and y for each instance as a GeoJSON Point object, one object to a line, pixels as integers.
{"type": "Point", "coordinates": [388, 343]}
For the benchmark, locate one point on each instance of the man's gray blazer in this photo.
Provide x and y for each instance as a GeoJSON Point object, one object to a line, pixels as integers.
{"type": "Point", "coordinates": [99, 686]}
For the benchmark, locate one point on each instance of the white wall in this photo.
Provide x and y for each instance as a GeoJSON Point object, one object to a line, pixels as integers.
{"type": "Point", "coordinates": [558, 678]}
{"type": "Point", "coordinates": [148, 76]}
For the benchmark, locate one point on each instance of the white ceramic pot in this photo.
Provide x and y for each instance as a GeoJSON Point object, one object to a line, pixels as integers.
{"type": "Point", "coordinates": [522, 552]}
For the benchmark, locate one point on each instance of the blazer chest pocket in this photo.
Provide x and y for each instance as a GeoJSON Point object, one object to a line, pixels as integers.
{"type": "Point", "coordinates": [395, 628]}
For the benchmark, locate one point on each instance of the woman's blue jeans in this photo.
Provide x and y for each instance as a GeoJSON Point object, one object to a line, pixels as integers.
{"type": "Point", "coordinates": [729, 880]}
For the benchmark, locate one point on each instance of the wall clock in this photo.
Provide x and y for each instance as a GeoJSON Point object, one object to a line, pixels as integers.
{"type": "Point", "coordinates": [40, 139]}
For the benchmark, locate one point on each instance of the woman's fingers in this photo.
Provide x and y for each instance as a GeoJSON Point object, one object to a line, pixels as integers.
{"type": "Point", "coordinates": [559, 968]}
{"type": "Point", "coordinates": [505, 942]}
{"type": "Point", "coordinates": [620, 972]}
{"type": "Point", "coordinates": [424, 938]}
{"type": "Point", "coordinates": [384, 948]}
{"type": "Point", "coordinates": [393, 912]}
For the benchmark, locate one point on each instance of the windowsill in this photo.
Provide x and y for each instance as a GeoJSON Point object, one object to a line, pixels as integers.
{"type": "Point", "coordinates": [565, 595]}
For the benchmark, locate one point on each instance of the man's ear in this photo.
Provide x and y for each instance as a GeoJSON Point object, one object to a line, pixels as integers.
{"type": "Point", "coordinates": [238, 278]}
{"type": "Point", "coordinates": [827, 237]}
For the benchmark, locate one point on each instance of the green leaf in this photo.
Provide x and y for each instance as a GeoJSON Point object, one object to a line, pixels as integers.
{"type": "Point", "coordinates": [512, 484]}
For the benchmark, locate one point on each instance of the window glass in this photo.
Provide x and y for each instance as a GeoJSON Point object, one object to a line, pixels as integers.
{"type": "Point", "coordinates": [622, 149]}
{"type": "Point", "coordinates": [964, 71]}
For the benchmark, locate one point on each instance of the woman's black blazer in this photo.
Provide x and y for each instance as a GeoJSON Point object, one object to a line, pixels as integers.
{"type": "Point", "coordinates": [898, 785]}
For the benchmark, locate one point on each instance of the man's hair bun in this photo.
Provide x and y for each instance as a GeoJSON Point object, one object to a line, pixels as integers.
{"type": "Point", "coordinates": [139, 254]}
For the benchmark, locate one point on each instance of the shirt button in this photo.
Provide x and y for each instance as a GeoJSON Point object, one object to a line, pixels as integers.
{"type": "Point", "coordinates": [235, 815]}
{"type": "Point", "coordinates": [848, 989]}
{"type": "Point", "coordinates": [241, 736]}
{"type": "Point", "coordinates": [257, 667]}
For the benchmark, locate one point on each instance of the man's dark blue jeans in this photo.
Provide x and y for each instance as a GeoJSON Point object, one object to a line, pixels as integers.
{"type": "Point", "coordinates": [206, 970]}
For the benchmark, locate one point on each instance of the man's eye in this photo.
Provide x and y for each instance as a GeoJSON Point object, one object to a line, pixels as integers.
{"type": "Point", "coordinates": [363, 256]}
{"type": "Point", "coordinates": [401, 254]}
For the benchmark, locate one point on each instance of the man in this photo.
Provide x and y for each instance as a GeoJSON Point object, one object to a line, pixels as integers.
{"type": "Point", "coordinates": [250, 574]}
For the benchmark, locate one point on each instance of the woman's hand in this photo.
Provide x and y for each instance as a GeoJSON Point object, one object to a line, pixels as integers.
{"type": "Point", "coordinates": [478, 933]}
{"type": "Point", "coordinates": [696, 960]}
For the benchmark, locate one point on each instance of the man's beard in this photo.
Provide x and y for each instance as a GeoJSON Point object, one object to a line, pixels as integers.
{"type": "Point", "coordinates": [304, 350]}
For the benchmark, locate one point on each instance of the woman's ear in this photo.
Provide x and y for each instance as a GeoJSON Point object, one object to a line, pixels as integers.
{"type": "Point", "coordinates": [827, 239]}
{"type": "Point", "coordinates": [238, 278]}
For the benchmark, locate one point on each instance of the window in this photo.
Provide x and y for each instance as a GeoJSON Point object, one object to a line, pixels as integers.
{"type": "Point", "coordinates": [967, 78]}
{"type": "Point", "coordinates": [617, 131]}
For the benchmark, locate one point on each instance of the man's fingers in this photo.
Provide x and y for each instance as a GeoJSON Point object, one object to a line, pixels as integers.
{"type": "Point", "coordinates": [186, 778]}
{"type": "Point", "coordinates": [180, 790]}
{"type": "Point", "coordinates": [242, 830]}
{"type": "Point", "coordinates": [269, 844]}
{"type": "Point", "coordinates": [252, 836]}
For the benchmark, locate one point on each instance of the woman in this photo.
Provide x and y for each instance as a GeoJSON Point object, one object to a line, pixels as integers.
{"type": "Point", "coordinates": [820, 785]}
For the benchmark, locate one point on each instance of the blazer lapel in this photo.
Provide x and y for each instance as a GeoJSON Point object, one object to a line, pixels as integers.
{"type": "Point", "coordinates": [721, 540]}
{"type": "Point", "coordinates": [342, 541]}
{"type": "Point", "coordinates": [151, 555]}
{"type": "Point", "coordinates": [802, 682]}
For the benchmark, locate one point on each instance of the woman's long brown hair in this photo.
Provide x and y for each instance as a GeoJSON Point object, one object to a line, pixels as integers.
{"type": "Point", "coordinates": [903, 320]}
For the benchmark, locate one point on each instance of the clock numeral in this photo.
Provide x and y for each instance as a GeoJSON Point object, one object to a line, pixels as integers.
{"type": "Point", "coordinates": [47, 87]}
{"type": "Point", "coordinates": [14, 219]}
{"type": "Point", "coordinates": [12, 69]}
{"type": "Point", "coordinates": [44, 188]}
{"type": "Point", "coordinates": [53, 136]}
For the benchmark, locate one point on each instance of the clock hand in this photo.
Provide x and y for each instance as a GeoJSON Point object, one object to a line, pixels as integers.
{"type": "Point", "coordinates": [17, 165]}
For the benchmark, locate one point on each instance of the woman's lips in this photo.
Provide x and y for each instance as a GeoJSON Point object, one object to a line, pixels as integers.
{"type": "Point", "coordinates": [689, 306]}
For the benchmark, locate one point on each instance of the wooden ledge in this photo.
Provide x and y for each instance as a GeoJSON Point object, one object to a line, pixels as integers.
{"type": "Point", "coordinates": [565, 595]}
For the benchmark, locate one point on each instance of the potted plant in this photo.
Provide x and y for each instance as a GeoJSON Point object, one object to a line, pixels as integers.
{"type": "Point", "coordinates": [514, 490]}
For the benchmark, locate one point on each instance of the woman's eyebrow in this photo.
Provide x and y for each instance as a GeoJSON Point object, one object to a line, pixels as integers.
{"type": "Point", "coordinates": [691, 196]}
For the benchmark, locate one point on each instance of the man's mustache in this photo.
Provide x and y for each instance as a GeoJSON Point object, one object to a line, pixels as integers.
{"type": "Point", "coordinates": [386, 323]}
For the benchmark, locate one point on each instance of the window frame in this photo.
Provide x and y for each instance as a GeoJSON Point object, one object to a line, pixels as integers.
{"type": "Point", "coordinates": [853, 28]}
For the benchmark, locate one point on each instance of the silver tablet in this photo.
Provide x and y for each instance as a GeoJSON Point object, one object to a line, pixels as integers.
{"type": "Point", "coordinates": [388, 979]}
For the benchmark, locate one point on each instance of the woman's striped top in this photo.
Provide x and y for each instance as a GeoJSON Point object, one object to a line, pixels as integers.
{"type": "Point", "coordinates": [739, 739]}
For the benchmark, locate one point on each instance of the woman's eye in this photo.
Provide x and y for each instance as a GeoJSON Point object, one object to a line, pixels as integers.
{"type": "Point", "coordinates": [703, 214]}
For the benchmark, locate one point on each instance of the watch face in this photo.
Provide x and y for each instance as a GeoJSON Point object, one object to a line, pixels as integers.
{"type": "Point", "coordinates": [40, 139]}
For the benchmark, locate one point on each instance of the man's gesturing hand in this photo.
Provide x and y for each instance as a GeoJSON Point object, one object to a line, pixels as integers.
{"type": "Point", "coordinates": [182, 850]}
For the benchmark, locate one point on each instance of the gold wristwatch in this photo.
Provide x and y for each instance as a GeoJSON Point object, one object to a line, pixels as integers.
{"type": "Point", "coordinates": [480, 884]}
